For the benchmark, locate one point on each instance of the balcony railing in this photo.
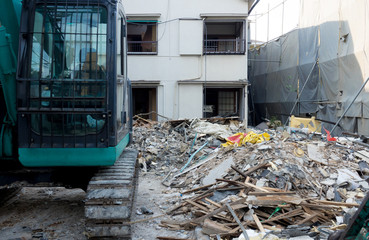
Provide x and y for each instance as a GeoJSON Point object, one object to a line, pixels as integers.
{"type": "Point", "coordinates": [225, 46]}
{"type": "Point", "coordinates": [142, 47]}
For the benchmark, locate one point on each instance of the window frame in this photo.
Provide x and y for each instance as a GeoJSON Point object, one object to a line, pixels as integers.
{"type": "Point", "coordinates": [242, 41]}
{"type": "Point", "coordinates": [155, 43]}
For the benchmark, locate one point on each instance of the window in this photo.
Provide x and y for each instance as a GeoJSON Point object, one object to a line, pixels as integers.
{"type": "Point", "coordinates": [68, 69]}
{"type": "Point", "coordinates": [142, 37]}
{"type": "Point", "coordinates": [224, 37]}
{"type": "Point", "coordinates": [222, 102]}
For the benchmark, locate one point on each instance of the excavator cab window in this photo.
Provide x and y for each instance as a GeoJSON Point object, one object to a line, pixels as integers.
{"type": "Point", "coordinates": [68, 67]}
{"type": "Point", "coordinates": [66, 86]}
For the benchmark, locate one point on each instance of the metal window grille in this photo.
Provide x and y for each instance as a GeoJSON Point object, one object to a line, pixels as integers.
{"type": "Point", "coordinates": [225, 46]}
{"type": "Point", "coordinates": [62, 95]}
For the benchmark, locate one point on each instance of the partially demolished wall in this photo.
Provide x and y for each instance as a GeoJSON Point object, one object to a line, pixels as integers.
{"type": "Point", "coordinates": [323, 63]}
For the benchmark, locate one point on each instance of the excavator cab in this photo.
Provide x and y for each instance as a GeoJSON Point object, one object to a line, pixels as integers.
{"type": "Point", "coordinates": [73, 95]}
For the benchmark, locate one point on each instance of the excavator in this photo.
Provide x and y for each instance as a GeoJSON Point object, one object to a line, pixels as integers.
{"type": "Point", "coordinates": [66, 104]}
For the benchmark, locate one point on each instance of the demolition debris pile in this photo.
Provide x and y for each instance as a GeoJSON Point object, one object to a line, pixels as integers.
{"type": "Point", "coordinates": [289, 183]}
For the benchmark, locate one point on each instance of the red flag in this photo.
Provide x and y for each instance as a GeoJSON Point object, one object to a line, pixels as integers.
{"type": "Point", "coordinates": [329, 137]}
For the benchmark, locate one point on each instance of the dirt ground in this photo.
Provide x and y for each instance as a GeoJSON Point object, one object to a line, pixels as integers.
{"type": "Point", "coordinates": [58, 213]}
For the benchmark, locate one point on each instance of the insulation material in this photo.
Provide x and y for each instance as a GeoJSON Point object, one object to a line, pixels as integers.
{"type": "Point", "coordinates": [329, 52]}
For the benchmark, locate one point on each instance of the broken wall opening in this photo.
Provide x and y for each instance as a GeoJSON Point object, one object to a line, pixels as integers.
{"type": "Point", "coordinates": [145, 102]}
{"type": "Point", "coordinates": [222, 102]}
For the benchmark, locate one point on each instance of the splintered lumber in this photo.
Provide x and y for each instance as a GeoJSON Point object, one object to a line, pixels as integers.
{"type": "Point", "coordinates": [199, 188]}
{"type": "Point", "coordinates": [229, 188]}
{"type": "Point", "coordinates": [309, 218]}
{"type": "Point", "coordinates": [270, 193]}
{"type": "Point", "coordinates": [311, 205]}
{"type": "Point", "coordinates": [243, 184]}
{"type": "Point", "coordinates": [239, 171]}
{"type": "Point", "coordinates": [257, 167]}
{"type": "Point", "coordinates": [219, 215]}
{"type": "Point", "coordinates": [276, 200]}
{"type": "Point", "coordinates": [197, 205]}
{"type": "Point", "coordinates": [274, 189]}
{"type": "Point", "coordinates": [204, 195]}
{"type": "Point", "coordinates": [143, 119]}
{"type": "Point", "coordinates": [337, 203]}
{"type": "Point", "coordinates": [201, 219]}
{"type": "Point", "coordinates": [293, 213]}
{"type": "Point", "coordinates": [242, 192]}
{"type": "Point", "coordinates": [258, 223]}
{"type": "Point", "coordinates": [212, 202]}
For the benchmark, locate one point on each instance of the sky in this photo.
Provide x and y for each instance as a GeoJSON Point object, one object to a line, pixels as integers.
{"type": "Point", "coordinates": [283, 16]}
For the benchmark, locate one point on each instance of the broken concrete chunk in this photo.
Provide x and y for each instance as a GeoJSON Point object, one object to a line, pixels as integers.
{"type": "Point", "coordinates": [264, 147]}
{"type": "Point", "coordinates": [346, 175]}
{"type": "Point", "coordinates": [315, 154]}
{"type": "Point", "coordinates": [330, 194]}
{"type": "Point", "coordinates": [218, 171]}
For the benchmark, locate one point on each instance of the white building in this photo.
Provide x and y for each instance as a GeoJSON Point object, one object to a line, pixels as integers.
{"type": "Point", "coordinates": [188, 58]}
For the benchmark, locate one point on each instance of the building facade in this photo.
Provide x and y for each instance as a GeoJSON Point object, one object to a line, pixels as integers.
{"type": "Point", "coordinates": [188, 58]}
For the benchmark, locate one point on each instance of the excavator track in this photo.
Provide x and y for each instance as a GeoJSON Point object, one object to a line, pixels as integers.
{"type": "Point", "coordinates": [109, 199]}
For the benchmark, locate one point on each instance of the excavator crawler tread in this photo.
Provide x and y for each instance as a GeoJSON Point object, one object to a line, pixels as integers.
{"type": "Point", "coordinates": [109, 199]}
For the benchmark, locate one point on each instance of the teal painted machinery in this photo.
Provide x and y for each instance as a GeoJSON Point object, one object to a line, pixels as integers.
{"type": "Point", "coordinates": [65, 97]}
{"type": "Point", "coordinates": [10, 17]}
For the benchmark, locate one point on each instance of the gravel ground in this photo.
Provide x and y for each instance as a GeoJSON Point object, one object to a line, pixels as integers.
{"type": "Point", "coordinates": [58, 213]}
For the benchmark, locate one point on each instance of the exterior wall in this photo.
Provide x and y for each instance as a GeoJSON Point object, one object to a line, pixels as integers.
{"type": "Point", "coordinates": [190, 100]}
{"type": "Point", "coordinates": [175, 62]}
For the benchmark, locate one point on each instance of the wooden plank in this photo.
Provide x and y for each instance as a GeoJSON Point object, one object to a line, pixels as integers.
{"type": "Point", "coordinates": [257, 167]}
{"type": "Point", "coordinates": [270, 193]}
{"type": "Point", "coordinates": [219, 215]}
{"type": "Point", "coordinates": [229, 188]}
{"type": "Point", "coordinates": [197, 205]}
{"type": "Point", "coordinates": [209, 206]}
{"type": "Point", "coordinates": [310, 205]}
{"type": "Point", "coordinates": [239, 171]}
{"type": "Point", "coordinates": [212, 202]}
{"type": "Point", "coordinates": [239, 206]}
{"type": "Point", "coordinates": [206, 194]}
{"type": "Point", "coordinates": [242, 192]}
{"type": "Point", "coordinates": [243, 184]}
{"type": "Point", "coordinates": [293, 213]}
{"type": "Point", "coordinates": [337, 203]}
{"type": "Point", "coordinates": [309, 218]}
{"type": "Point", "coordinates": [280, 198]}
{"type": "Point", "coordinates": [274, 189]}
{"type": "Point", "coordinates": [201, 219]}
{"type": "Point", "coordinates": [198, 188]}
{"type": "Point", "coordinates": [258, 223]}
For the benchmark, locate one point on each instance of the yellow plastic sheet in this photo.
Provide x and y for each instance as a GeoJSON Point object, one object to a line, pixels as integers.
{"type": "Point", "coordinates": [240, 139]}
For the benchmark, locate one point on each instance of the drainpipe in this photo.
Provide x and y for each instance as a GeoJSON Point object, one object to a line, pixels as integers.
{"type": "Point", "coordinates": [205, 63]}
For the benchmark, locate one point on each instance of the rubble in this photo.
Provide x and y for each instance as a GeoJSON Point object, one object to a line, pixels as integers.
{"type": "Point", "coordinates": [292, 184]}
